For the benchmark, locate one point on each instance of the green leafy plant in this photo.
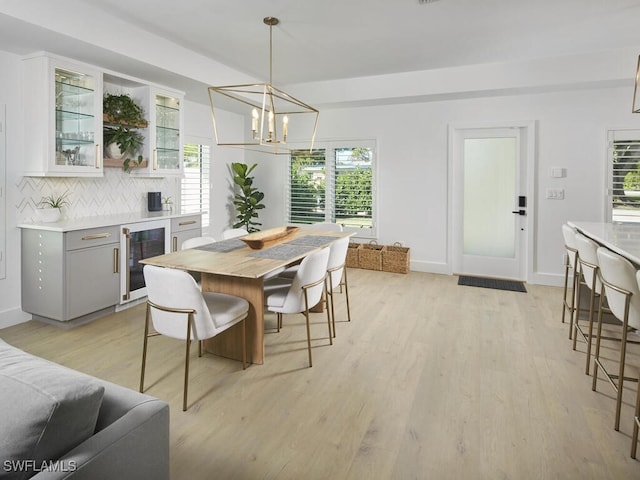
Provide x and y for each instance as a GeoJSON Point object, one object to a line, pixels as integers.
{"type": "Point", "coordinates": [123, 110]}
{"type": "Point", "coordinates": [248, 200]}
{"type": "Point", "coordinates": [123, 119]}
{"type": "Point", "coordinates": [55, 201]}
{"type": "Point", "coordinates": [632, 180]}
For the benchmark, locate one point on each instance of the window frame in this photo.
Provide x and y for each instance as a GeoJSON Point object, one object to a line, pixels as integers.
{"type": "Point", "coordinates": [330, 147]}
{"type": "Point", "coordinates": [614, 135]}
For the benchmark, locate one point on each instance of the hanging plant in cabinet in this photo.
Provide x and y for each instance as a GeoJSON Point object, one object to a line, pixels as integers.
{"type": "Point", "coordinates": [123, 119]}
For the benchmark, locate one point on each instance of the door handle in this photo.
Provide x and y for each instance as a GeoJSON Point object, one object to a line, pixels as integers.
{"type": "Point", "coordinates": [519, 212]}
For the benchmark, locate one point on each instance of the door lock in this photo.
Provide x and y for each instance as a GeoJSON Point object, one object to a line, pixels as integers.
{"type": "Point", "coordinates": [519, 212]}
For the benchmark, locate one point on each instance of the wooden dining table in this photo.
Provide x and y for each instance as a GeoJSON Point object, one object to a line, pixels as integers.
{"type": "Point", "coordinates": [231, 267]}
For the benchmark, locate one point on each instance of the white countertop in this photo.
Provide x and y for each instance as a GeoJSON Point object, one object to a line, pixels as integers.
{"type": "Point", "coordinates": [622, 238]}
{"type": "Point", "coordinates": [99, 221]}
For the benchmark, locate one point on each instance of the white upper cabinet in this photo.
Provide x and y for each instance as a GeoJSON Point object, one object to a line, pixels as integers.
{"type": "Point", "coordinates": [62, 102]}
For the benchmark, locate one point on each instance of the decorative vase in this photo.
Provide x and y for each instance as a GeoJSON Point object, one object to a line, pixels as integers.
{"type": "Point", "coordinates": [113, 151]}
{"type": "Point", "coordinates": [48, 215]}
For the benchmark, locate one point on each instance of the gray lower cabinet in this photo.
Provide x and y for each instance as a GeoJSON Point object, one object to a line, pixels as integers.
{"type": "Point", "coordinates": [183, 228]}
{"type": "Point", "coordinates": [66, 275]}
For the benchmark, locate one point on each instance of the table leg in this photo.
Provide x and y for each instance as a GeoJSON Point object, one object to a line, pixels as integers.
{"type": "Point", "coordinates": [229, 343]}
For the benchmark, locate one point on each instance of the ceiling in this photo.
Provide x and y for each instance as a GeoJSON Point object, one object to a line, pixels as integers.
{"type": "Point", "coordinates": [335, 39]}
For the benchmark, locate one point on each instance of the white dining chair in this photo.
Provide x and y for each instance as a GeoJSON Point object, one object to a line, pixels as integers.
{"type": "Point", "coordinates": [178, 309]}
{"type": "Point", "coordinates": [234, 233]}
{"type": "Point", "coordinates": [570, 265]}
{"type": "Point", "coordinates": [302, 293]}
{"type": "Point", "coordinates": [620, 287]}
{"type": "Point", "coordinates": [197, 242]}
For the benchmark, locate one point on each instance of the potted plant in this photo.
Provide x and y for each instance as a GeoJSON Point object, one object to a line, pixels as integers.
{"type": "Point", "coordinates": [123, 118]}
{"type": "Point", "coordinates": [248, 200]}
{"type": "Point", "coordinates": [50, 207]}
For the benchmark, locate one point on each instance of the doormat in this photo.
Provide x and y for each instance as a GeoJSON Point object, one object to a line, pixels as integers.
{"type": "Point", "coordinates": [498, 284]}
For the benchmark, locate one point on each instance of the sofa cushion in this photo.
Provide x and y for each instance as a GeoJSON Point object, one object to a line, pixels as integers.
{"type": "Point", "coordinates": [45, 411]}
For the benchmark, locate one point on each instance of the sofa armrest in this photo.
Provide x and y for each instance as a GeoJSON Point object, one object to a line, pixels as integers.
{"type": "Point", "coordinates": [135, 446]}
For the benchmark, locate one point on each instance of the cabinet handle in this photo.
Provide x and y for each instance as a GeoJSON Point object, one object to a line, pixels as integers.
{"type": "Point", "coordinates": [96, 236]}
{"type": "Point", "coordinates": [187, 222]}
{"type": "Point", "coordinates": [127, 235]}
{"type": "Point", "coordinates": [155, 159]}
{"type": "Point", "coordinates": [175, 244]}
{"type": "Point", "coordinates": [98, 156]}
{"type": "Point", "coordinates": [116, 260]}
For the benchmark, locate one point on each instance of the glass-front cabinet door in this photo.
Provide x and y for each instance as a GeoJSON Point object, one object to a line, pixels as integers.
{"type": "Point", "coordinates": [63, 117]}
{"type": "Point", "coordinates": [167, 133]}
{"type": "Point", "coordinates": [75, 120]}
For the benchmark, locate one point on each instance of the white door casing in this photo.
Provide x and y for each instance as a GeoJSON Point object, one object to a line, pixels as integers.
{"type": "Point", "coordinates": [489, 171]}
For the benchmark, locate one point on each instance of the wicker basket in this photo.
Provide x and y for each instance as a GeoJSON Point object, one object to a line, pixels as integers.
{"type": "Point", "coordinates": [395, 258]}
{"type": "Point", "coordinates": [352, 255]}
{"type": "Point", "coordinates": [370, 256]}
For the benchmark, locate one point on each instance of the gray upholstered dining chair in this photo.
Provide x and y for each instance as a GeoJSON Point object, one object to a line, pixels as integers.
{"type": "Point", "coordinates": [301, 293]}
{"type": "Point", "coordinates": [620, 286]}
{"type": "Point", "coordinates": [179, 309]}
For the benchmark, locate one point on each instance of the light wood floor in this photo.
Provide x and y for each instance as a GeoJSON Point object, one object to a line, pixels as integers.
{"type": "Point", "coordinates": [430, 380]}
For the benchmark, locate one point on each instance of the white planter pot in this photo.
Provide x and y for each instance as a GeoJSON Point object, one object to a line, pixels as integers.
{"type": "Point", "coordinates": [48, 215]}
{"type": "Point", "coordinates": [113, 151]}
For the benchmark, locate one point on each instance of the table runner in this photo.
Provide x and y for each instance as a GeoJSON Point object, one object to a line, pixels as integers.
{"type": "Point", "coordinates": [223, 246]}
{"type": "Point", "coordinates": [313, 240]}
{"type": "Point", "coordinates": [284, 251]}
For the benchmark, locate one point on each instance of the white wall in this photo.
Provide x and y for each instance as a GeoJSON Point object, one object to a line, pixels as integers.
{"type": "Point", "coordinates": [412, 165]}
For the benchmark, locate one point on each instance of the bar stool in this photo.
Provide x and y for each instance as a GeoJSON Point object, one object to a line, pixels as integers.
{"type": "Point", "coordinates": [620, 285]}
{"type": "Point", "coordinates": [570, 263]}
{"type": "Point", "coordinates": [587, 276]}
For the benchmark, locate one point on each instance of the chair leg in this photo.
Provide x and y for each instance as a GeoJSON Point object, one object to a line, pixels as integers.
{"type": "Point", "coordinates": [346, 292]}
{"type": "Point", "coordinates": [306, 314]}
{"type": "Point", "coordinates": [596, 355]}
{"type": "Point", "coordinates": [623, 355]}
{"type": "Point", "coordinates": [576, 314]}
{"type": "Point", "coordinates": [636, 423]}
{"type": "Point", "coordinates": [244, 345]}
{"type": "Point", "coordinates": [329, 290]}
{"type": "Point", "coordinates": [566, 283]}
{"type": "Point", "coordinates": [144, 347]}
{"type": "Point", "coordinates": [186, 362]}
{"type": "Point", "coordinates": [329, 316]}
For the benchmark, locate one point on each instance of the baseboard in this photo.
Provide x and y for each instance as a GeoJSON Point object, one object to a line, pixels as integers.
{"type": "Point", "coordinates": [14, 316]}
{"type": "Point", "coordinates": [548, 279]}
{"type": "Point", "coordinates": [430, 267]}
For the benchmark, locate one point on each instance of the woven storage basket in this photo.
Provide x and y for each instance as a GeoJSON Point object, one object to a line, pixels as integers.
{"type": "Point", "coordinates": [352, 255]}
{"type": "Point", "coordinates": [370, 256]}
{"type": "Point", "coordinates": [395, 258]}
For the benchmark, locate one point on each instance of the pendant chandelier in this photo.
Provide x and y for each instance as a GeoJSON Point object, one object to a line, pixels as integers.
{"type": "Point", "coordinates": [274, 114]}
{"type": "Point", "coordinates": [635, 108]}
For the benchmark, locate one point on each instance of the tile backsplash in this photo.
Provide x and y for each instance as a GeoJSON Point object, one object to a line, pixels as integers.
{"type": "Point", "coordinates": [114, 193]}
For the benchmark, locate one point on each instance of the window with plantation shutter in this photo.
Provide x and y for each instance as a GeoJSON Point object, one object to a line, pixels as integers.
{"type": "Point", "coordinates": [334, 183]}
{"type": "Point", "coordinates": [624, 175]}
{"type": "Point", "coordinates": [194, 191]}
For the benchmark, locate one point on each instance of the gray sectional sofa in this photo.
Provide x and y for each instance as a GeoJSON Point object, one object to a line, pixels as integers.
{"type": "Point", "coordinates": [57, 423]}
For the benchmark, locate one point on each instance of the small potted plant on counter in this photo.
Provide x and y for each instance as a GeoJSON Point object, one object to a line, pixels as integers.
{"type": "Point", "coordinates": [50, 207]}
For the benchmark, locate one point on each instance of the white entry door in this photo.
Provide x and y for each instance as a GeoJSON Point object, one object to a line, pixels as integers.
{"type": "Point", "coordinates": [489, 203]}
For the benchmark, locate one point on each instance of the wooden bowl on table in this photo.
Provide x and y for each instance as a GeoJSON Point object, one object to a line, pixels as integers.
{"type": "Point", "coordinates": [267, 238]}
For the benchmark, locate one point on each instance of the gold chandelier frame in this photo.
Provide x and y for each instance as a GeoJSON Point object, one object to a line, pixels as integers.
{"type": "Point", "coordinates": [269, 109]}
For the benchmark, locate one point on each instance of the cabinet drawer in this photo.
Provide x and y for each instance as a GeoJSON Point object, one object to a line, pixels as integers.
{"type": "Point", "coordinates": [92, 237]}
{"type": "Point", "coordinates": [186, 223]}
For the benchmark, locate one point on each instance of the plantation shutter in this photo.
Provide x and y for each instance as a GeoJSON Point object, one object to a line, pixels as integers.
{"type": "Point", "coordinates": [194, 192]}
